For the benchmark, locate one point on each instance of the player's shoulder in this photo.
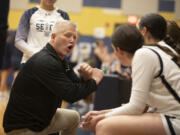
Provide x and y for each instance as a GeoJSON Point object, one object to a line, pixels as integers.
{"type": "Point", "coordinates": [31, 11]}
{"type": "Point", "coordinates": [63, 13]}
{"type": "Point", "coordinates": [146, 53]}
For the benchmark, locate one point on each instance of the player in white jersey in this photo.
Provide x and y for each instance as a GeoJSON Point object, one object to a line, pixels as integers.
{"type": "Point", "coordinates": [154, 105]}
{"type": "Point", "coordinates": [35, 27]}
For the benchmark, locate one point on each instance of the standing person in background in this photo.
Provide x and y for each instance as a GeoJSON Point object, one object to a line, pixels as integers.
{"type": "Point", "coordinates": [101, 54]}
{"type": "Point", "coordinates": [6, 66]}
{"type": "Point", "coordinates": [35, 27]}
{"type": "Point", "coordinates": [155, 84]}
{"type": "Point", "coordinates": [4, 9]}
{"type": "Point", "coordinates": [43, 82]}
{"type": "Point", "coordinates": [173, 35]}
{"type": "Point", "coordinates": [11, 62]}
{"type": "Point", "coordinates": [108, 62]}
{"type": "Point", "coordinates": [75, 53]}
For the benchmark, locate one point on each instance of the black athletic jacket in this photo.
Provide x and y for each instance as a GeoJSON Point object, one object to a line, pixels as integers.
{"type": "Point", "coordinates": [42, 84]}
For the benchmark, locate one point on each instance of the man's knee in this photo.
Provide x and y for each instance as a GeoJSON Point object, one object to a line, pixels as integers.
{"type": "Point", "coordinates": [75, 117]}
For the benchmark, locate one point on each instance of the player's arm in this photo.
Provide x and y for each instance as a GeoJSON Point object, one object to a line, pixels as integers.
{"type": "Point", "coordinates": [22, 34]}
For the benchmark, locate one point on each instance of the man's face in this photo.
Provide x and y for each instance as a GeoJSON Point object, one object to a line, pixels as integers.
{"type": "Point", "coordinates": [64, 41]}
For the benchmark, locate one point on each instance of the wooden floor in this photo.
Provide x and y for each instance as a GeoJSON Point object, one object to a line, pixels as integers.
{"type": "Point", "coordinates": [2, 108]}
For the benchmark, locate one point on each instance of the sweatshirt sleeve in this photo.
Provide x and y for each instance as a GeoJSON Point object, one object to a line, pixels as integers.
{"type": "Point", "coordinates": [63, 14]}
{"type": "Point", "coordinates": [144, 68]}
{"type": "Point", "coordinates": [23, 31]}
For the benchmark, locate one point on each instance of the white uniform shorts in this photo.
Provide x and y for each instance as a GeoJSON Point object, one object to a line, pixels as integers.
{"type": "Point", "coordinates": [171, 124]}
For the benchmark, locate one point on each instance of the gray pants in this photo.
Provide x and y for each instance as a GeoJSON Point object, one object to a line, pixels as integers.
{"type": "Point", "coordinates": [64, 120]}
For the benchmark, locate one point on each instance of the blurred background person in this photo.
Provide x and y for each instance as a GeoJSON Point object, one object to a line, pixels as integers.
{"type": "Point", "coordinates": [6, 67]}
{"type": "Point", "coordinates": [11, 64]}
{"type": "Point", "coordinates": [4, 9]}
{"type": "Point", "coordinates": [108, 62]}
{"type": "Point", "coordinates": [101, 53]}
{"type": "Point", "coordinates": [173, 35]}
{"type": "Point", "coordinates": [75, 56]}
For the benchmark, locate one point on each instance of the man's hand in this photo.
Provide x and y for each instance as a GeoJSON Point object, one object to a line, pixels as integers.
{"type": "Point", "coordinates": [85, 71]}
{"type": "Point", "coordinates": [88, 116]}
{"type": "Point", "coordinates": [97, 75]}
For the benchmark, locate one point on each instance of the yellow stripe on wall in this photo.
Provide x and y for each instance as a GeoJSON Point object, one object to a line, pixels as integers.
{"type": "Point", "coordinates": [87, 20]}
{"type": "Point", "coordinates": [14, 17]}
{"type": "Point", "coordinates": [94, 17]}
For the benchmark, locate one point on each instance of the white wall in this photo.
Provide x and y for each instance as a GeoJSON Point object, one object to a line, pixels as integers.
{"type": "Point", "coordinates": [177, 9]}
{"type": "Point", "coordinates": [73, 6]}
{"type": "Point", "coordinates": [139, 7]}
{"type": "Point", "coordinates": [19, 4]}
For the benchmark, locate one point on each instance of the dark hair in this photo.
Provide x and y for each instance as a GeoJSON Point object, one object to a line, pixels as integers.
{"type": "Point", "coordinates": [173, 35]}
{"type": "Point", "coordinates": [127, 37]}
{"type": "Point", "coordinates": [155, 24]}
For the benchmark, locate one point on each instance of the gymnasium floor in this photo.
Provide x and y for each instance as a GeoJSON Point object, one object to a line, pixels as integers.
{"type": "Point", "coordinates": [3, 103]}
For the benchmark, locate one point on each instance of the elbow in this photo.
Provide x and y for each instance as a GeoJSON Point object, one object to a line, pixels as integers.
{"type": "Point", "coordinates": [139, 110]}
{"type": "Point", "coordinates": [17, 43]}
{"type": "Point", "coordinates": [134, 109]}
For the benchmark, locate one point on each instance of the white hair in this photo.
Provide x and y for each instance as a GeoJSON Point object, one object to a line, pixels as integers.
{"type": "Point", "coordinates": [59, 25]}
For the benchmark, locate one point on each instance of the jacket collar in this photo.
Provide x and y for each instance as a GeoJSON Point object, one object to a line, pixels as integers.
{"type": "Point", "coordinates": [52, 52]}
